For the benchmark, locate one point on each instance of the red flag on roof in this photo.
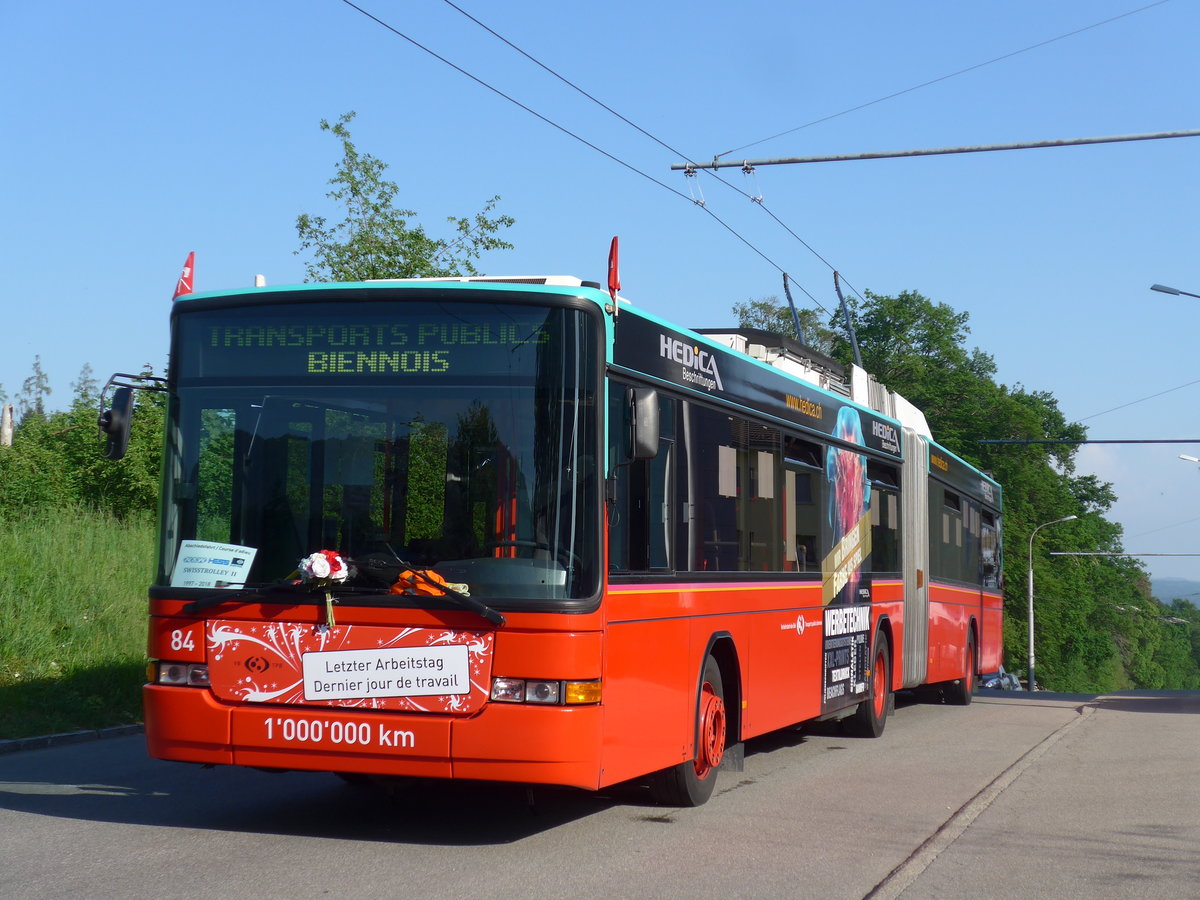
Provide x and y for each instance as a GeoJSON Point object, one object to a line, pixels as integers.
{"type": "Point", "coordinates": [184, 285]}
{"type": "Point", "coordinates": [614, 271]}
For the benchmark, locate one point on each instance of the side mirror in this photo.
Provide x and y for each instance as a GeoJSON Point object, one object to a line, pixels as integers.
{"type": "Point", "coordinates": [115, 423]}
{"type": "Point", "coordinates": [643, 423]}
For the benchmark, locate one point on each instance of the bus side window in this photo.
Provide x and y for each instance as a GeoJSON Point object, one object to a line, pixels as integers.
{"type": "Point", "coordinates": [658, 494]}
{"type": "Point", "coordinates": [805, 527]}
{"type": "Point", "coordinates": [640, 516]}
{"type": "Point", "coordinates": [885, 518]}
{"type": "Point", "coordinates": [711, 491]}
{"type": "Point", "coordinates": [945, 533]}
{"type": "Point", "coordinates": [989, 543]}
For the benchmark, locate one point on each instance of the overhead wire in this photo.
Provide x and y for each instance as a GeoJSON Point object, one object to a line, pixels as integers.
{"type": "Point", "coordinates": [933, 81]}
{"type": "Point", "coordinates": [562, 128]}
{"type": "Point", "coordinates": [756, 199]}
{"type": "Point", "coordinates": [1140, 400]}
{"type": "Point", "coordinates": [512, 100]}
{"type": "Point", "coordinates": [700, 203]}
{"type": "Point", "coordinates": [665, 146]}
{"type": "Point", "coordinates": [1165, 527]}
{"type": "Point", "coordinates": [759, 199]}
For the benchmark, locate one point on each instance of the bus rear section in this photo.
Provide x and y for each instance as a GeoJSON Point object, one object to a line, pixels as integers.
{"type": "Point", "coordinates": [953, 572]}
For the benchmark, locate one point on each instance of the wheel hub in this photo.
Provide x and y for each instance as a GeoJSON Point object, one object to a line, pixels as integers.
{"type": "Point", "coordinates": [712, 732]}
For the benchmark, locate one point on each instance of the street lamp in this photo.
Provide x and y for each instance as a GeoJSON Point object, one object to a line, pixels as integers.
{"type": "Point", "coordinates": [1032, 683]}
{"type": "Point", "coordinates": [1163, 289]}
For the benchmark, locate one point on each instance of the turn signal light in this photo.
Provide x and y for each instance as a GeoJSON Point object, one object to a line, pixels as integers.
{"type": "Point", "coordinates": [581, 692]}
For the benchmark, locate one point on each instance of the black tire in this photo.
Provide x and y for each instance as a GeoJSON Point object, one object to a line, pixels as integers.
{"type": "Point", "coordinates": [871, 716]}
{"type": "Point", "coordinates": [691, 783]}
{"type": "Point", "coordinates": [960, 692]}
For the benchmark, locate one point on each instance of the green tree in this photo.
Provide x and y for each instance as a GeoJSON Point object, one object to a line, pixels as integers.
{"type": "Point", "coordinates": [130, 485]}
{"type": "Point", "coordinates": [376, 239]}
{"type": "Point", "coordinates": [85, 387]}
{"type": "Point", "coordinates": [54, 461]}
{"type": "Point", "coordinates": [34, 392]}
{"type": "Point", "coordinates": [769, 314]}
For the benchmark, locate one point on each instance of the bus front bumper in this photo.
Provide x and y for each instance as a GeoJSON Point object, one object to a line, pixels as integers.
{"type": "Point", "coordinates": [503, 742]}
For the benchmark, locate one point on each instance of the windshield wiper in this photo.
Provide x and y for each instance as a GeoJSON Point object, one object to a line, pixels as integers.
{"type": "Point", "coordinates": [466, 601]}
{"type": "Point", "coordinates": [242, 596]}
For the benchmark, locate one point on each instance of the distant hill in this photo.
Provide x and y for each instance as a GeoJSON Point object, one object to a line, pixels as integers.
{"type": "Point", "coordinates": [1168, 589]}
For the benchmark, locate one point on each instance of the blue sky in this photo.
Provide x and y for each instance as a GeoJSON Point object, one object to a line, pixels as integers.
{"type": "Point", "coordinates": [136, 132]}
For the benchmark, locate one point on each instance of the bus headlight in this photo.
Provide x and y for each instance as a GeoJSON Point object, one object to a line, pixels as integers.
{"type": "Point", "coordinates": [508, 690]}
{"type": "Point", "coordinates": [541, 692]}
{"type": "Point", "coordinates": [180, 674]}
{"type": "Point", "coordinates": [545, 693]}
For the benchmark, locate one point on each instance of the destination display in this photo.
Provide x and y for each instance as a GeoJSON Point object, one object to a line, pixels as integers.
{"type": "Point", "coordinates": [352, 339]}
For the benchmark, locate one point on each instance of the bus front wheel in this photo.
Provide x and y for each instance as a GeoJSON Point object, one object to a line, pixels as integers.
{"type": "Point", "coordinates": [691, 783]}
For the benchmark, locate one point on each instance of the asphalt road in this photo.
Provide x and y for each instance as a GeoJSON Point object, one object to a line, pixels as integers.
{"type": "Point", "coordinates": [1017, 795]}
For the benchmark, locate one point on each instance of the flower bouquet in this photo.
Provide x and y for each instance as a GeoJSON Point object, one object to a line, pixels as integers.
{"type": "Point", "coordinates": [324, 569]}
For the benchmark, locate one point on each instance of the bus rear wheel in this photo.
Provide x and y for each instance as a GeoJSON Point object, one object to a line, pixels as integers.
{"type": "Point", "coordinates": [691, 783]}
{"type": "Point", "coordinates": [871, 716]}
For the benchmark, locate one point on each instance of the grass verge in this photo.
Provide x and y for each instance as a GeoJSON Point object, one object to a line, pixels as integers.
{"type": "Point", "coordinates": [72, 620]}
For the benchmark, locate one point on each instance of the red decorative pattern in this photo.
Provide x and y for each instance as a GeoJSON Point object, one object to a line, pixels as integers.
{"type": "Point", "coordinates": [262, 662]}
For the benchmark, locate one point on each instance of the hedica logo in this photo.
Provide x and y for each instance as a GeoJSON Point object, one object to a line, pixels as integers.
{"type": "Point", "coordinates": [699, 366]}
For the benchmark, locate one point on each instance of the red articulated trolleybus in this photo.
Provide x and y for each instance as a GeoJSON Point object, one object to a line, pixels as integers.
{"type": "Point", "coordinates": [521, 530]}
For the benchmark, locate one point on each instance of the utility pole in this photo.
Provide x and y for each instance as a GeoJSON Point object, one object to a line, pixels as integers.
{"type": "Point", "coordinates": [1033, 534]}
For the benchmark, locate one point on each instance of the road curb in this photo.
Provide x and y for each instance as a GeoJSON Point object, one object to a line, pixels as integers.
{"type": "Point", "coordinates": [18, 745]}
{"type": "Point", "coordinates": [904, 875]}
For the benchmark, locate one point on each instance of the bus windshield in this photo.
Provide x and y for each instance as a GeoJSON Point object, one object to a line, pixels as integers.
{"type": "Point", "coordinates": [454, 436]}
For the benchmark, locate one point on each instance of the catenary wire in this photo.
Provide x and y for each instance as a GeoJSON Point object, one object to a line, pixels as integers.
{"type": "Point", "coordinates": [610, 156]}
{"type": "Point", "coordinates": [669, 148]}
{"type": "Point", "coordinates": [566, 131]}
{"type": "Point", "coordinates": [513, 100]}
{"type": "Point", "coordinates": [637, 171]}
{"type": "Point", "coordinates": [924, 84]}
{"type": "Point", "coordinates": [1140, 400]}
{"type": "Point", "coordinates": [652, 137]}
{"type": "Point", "coordinates": [759, 200]}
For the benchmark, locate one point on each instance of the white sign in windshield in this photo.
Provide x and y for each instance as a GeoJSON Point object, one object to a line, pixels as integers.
{"type": "Point", "coordinates": [203, 564]}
